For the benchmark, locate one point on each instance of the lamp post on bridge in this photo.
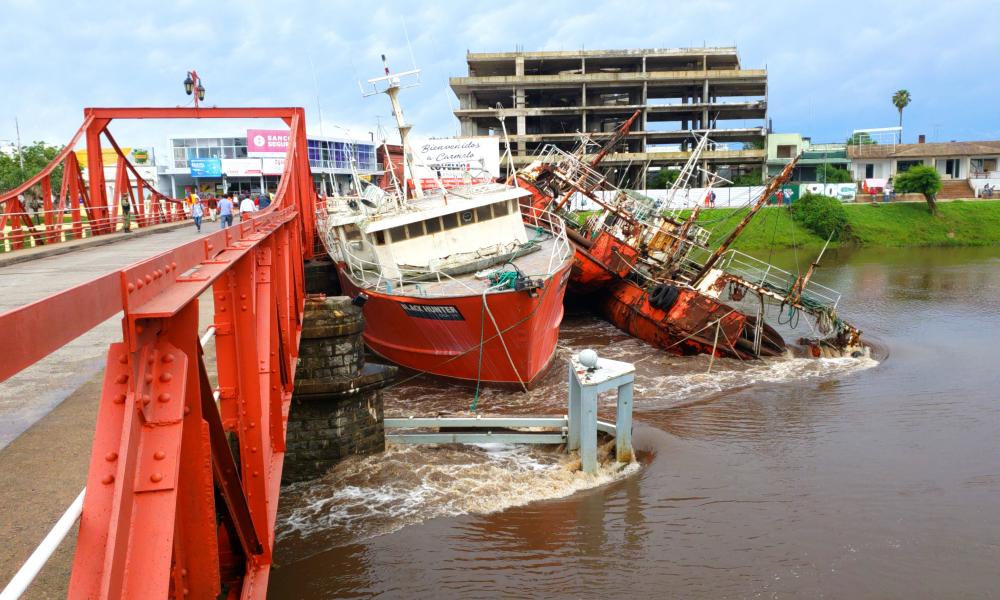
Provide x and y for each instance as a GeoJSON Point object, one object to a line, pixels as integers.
{"type": "Point", "coordinates": [192, 84]}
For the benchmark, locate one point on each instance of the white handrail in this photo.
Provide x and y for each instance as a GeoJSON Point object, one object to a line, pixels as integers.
{"type": "Point", "coordinates": [27, 573]}
{"type": "Point", "coordinates": [31, 567]}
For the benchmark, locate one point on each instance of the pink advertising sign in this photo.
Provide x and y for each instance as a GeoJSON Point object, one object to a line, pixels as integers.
{"type": "Point", "coordinates": [267, 142]}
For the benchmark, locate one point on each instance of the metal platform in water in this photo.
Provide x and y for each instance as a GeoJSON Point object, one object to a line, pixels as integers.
{"type": "Point", "coordinates": [589, 376]}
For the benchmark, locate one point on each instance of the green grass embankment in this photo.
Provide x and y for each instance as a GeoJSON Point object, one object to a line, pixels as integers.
{"type": "Point", "coordinates": [958, 223]}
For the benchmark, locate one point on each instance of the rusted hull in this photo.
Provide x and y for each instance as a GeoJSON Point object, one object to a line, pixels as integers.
{"type": "Point", "coordinates": [441, 335]}
{"type": "Point", "coordinates": [596, 262]}
{"type": "Point", "coordinates": [688, 325]}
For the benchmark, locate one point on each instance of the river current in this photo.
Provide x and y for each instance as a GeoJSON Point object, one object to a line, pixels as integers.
{"type": "Point", "coordinates": [869, 477]}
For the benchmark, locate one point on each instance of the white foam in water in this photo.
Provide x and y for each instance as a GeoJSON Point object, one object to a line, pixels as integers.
{"type": "Point", "coordinates": [729, 375]}
{"type": "Point", "coordinates": [365, 497]}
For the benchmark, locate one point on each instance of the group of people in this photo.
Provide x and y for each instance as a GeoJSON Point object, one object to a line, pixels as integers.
{"type": "Point", "coordinates": [223, 207]}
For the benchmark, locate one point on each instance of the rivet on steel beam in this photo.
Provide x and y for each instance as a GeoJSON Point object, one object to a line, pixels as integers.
{"type": "Point", "coordinates": [244, 307]}
{"type": "Point", "coordinates": [108, 479]}
{"type": "Point", "coordinates": [138, 328]}
{"type": "Point", "coordinates": [243, 296]}
{"type": "Point", "coordinates": [173, 265]}
{"type": "Point", "coordinates": [123, 378]}
{"type": "Point", "coordinates": [165, 377]}
{"type": "Point", "coordinates": [149, 378]}
{"type": "Point", "coordinates": [150, 360]}
{"type": "Point", "coordinates": [256, 474]}
{"type": "Point", "coordinates": [222, 309]}
{"type": "Point", "coordinates": [210, 246]}
{"type": "Point", "coordinates": [156, 477]}
{"type": "Point", "coordinates": [164, 397]}
{"type": "Point", "coordinates": [120, 399]}
{"type": "Point", "coordinates": [187, 409]}
{"type": "Point", "coordinates": [130, 287]}
{"type": "Point", "coordinates": [149, 278]}
{"type": "Point", "coordinates": [159, 455]}
{"type": "Point", "coordinates": [139, 283]}
{"type": "Point", "coordinates": [184, 572]}
{"type": "Point", "coordinates": [253, 449]}
{"type": "Point", "coordinates": [168, 358]}
{"type": "Point", "coordinates": [123, 359]}
{"type": "Point", "coordinates": [111, 456]}
{"type": "Point", "coordinates": [146, 399]}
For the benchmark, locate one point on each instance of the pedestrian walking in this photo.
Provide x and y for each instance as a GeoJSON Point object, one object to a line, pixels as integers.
{"type": "Point", "coordinates": [265, 201]}
{"type": "Point", "coordinates": [197, 212]}
{"type": "Point", "coordinates": [246, 208]}
{"type": "Point", "coordinates": [712, 198]}
{"type": "Point", "coordinates": [225, 212]}
{"type": "Point", "coordinates": [126, 214]}
{"type": "Point", "coordinates": [213, 204]}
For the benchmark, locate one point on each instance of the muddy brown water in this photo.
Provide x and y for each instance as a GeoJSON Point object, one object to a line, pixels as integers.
{"type": "Point", "coordinates": [844, 478]}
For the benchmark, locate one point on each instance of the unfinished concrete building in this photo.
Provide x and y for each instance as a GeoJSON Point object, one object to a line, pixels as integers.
{"type": "Point", "coordinates": [548, 97]}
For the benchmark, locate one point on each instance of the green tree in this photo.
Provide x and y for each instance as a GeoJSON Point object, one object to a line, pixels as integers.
{"type": "Point", "coordinates": [36, 157]}
{"type": "Point", "coordinates": [920, 179]}
{"type": "Point", "coordinates": [754, 145]}
{"type": "Point", "coordinates": [859, 139]}
{"type": "Point", "coordinates": [901, 99]}
{"type": "Point", "coordinates": [823, 215]}
{"type": "Point", "coordinates": [663, 179]}
{"type": "Point", "coordinates": [749, 178]}
{"type": "Point", "coordinates": [832, 174]}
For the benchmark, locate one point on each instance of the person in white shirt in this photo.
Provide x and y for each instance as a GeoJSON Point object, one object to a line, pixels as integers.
{"type": "Point", "coordinates": [246, 207]}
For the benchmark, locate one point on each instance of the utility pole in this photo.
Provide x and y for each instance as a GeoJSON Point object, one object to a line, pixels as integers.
{"type": "Point", "coordinates": [20, 155]}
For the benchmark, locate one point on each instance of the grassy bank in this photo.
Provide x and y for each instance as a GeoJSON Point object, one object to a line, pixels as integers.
{"type": "Point", "coordinates": [959, 223]}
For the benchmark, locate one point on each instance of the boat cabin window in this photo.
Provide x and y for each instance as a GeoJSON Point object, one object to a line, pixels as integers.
{"type": "Point", "coordinates": [415, 230]}
{"type": "Point", "coordinates": [444, 222]}
{"type": "Point", "coordinates": [351, 232]}
{"type": "Point", "coordinates": [398, 234]}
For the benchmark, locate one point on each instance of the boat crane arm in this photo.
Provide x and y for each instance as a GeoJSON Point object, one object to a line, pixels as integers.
{"type": "Point", "coordinates": [772, 186]}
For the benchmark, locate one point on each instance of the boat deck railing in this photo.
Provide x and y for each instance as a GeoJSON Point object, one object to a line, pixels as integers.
{"type": "Point", "coordinates": [571, 168]}
{"type": "Point", "coordinates": [774, 279]}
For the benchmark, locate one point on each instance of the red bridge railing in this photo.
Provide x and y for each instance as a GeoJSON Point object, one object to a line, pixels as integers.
{"type": "Point", "coordinates": [88, 213]}
{"type": "Point", "coordinates": [163, 447]}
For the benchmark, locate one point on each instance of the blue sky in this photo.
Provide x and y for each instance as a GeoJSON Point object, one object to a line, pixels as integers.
{"type": "Point", "coordinates": [832, 66]}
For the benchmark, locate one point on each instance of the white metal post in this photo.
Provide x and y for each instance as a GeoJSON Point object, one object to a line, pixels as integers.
{"type": "Point", "coordinates": [573, 439]}
{"type": "Point", "coordinates": [588, 430]}
{"type": "Point", "coordinates": [623, 424]}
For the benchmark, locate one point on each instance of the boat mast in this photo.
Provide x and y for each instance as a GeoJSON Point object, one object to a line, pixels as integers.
{"type": "Point", "coordinates": [771, 187]}
{"type": "Point", "coordinates": [392, 88]}
{"type": "Point", "coordinates": [618, 136]}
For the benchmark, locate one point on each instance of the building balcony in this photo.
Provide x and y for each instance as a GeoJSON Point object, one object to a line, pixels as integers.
{"type": "Point", "coordinates": [754, 80]}
{"type": "Point", "coordinates": [654, 112]}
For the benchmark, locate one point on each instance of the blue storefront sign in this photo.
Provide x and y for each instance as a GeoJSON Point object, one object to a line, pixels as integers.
{"type": "Point", "coordinates": [205, 167]}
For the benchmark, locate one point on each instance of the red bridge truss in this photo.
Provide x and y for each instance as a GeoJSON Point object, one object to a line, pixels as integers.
{"type": "Point", "coordinates": [170, 510]}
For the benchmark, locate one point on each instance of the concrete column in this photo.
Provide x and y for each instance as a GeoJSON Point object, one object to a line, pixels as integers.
{"type": "Point", "coordinates": [336, 408]}
{"type": "Point", "coordinates": [704, 111]}
{"type": "Point", "coordinates": [583, 103]}
{"type": "Point", "coordinates": [519, 103]}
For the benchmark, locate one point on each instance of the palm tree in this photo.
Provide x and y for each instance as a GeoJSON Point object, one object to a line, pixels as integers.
{"type": "Point", "coordinates": [901, 99]}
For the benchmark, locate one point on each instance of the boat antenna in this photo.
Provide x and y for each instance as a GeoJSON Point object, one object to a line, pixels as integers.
{"type": "Point", "coordinates": [508, 156]}
{"type": "Point", "coordinates": [390, 84]}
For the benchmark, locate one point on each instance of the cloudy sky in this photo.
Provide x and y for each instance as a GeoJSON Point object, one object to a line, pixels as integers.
{"type": "Point", "coordinates": [832, 66]}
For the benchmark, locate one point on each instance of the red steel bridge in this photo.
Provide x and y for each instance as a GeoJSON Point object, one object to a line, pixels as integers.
{"type": "Point", "coordinates": [183, 482]}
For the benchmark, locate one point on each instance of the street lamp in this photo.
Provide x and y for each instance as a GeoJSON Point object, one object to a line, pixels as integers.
{"type": "Point", "coordinates": [192, 83]}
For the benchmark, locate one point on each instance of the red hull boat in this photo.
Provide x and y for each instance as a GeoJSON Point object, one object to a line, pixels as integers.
{"type": "Point", "coordinates": [456, 337]}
